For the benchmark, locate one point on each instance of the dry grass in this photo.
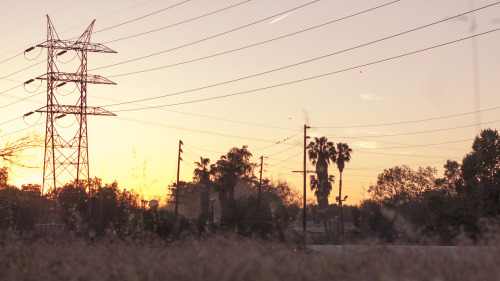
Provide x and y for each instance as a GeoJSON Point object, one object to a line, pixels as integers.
{"type": "Point", "coordinates": [228, 258]}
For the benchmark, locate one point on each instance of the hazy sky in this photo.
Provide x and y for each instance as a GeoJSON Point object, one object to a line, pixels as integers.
{"type": "Point", "coordinates": [271, 69]}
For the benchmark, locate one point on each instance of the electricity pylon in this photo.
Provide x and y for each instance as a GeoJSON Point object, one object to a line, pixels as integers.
{"type": "Point", "coordinates": [66, 153]}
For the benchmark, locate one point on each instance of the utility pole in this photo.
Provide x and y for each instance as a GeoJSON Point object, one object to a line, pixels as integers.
{"type": "Point", "coordinates": [66, 154]}
{"type": "Point", "coordinates": [178, 187]}
{"type": "Point", "coordinates": [305, 172]}
{"type": "Point", "coordinates": [260, 183]}
{"type": "Point", "coordinates": [304, 224]}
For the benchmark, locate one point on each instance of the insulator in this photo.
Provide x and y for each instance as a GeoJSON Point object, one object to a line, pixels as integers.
{"type": "Point", "coordinates": [60, 116]}
{"type": "Point", "coordinates": [28, 114]}
{"type": "Point", "coordinates": [62, 53]}
{"type": "Point", "coordinates": [29, 81]}
{"type": "Point", "coordinates": [29, 49]}
{"type": "Point", "coordinates": [62, 84]}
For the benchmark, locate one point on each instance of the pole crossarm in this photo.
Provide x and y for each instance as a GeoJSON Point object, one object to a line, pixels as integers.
{"type": "Point", "coordinates": [74, 109]}
{"type": "Point", "coordinates": [76, 78]}
{"type": "Point", "coordinates": [76, 46]}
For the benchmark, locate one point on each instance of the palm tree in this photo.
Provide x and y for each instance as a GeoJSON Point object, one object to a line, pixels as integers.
{"type": "Point", "coordinates": [343, 156]}
{"type": "Point", "coordinates": [202, 175]}
{"type": "Point", "coordinates": [228, 171]}
{"type": "Point", "coordinates": [314, 182]}
{"type": "Point", "coordinates": [321, 153]}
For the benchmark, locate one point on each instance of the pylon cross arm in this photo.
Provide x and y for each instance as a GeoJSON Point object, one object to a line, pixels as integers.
{"type": "Point", "coordinates": [74, 109]}
{"type": "Point", "coordinates": [76, 46]}
{"type": "Point", "coordinates": [77, 78]}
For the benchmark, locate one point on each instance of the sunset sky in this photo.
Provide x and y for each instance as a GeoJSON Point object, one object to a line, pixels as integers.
{"type": "Point", "coordinates": [266, 68]}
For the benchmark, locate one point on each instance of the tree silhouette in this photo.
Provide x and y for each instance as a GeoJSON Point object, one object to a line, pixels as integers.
{"type": "Point", "coordinates": [202, 175]}
{"type": "Point", "coordinates": [228, 170]}
{"type": "Point", "coordinates": [17, 152]}
{"type": "Point", "coordinates": [321, 153]}
{"type": "Point", "coordinates": [481, 173]}
{"type": "Point", "coordinates": [343, 156]}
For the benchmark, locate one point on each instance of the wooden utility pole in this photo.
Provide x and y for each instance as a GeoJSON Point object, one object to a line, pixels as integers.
{"type": "Point", "coordinates": [177, 188]}
{"type": "Point", "coordinates": [304, 224]}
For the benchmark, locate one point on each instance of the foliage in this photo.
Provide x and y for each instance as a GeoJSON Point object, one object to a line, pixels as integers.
{"type": "Point", "coordinates": [111, 208]}
{"type": "Point", "coordinates": [444, 207]}
{"type": "Point", "coordinates": [166, 224]}
{"type": "Point", "coordinates": [17, 153]}
{"type": "Point", "coordinates": [202, 175]}
{"type": "Point", "coordinates": [401, 184]}
{"type": "Point", "coordinates": [321, 152]}
{"type": "Point", "coordinates": [231, 168]}
{"type": "Point", "coordinates": [19, 208]}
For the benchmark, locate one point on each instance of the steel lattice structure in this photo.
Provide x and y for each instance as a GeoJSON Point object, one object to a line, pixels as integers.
{"type": "Point", "coordinates": [67, 157]}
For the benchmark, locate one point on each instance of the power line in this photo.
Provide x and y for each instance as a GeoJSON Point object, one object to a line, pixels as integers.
{"type": "Point", "coordinates": [411, 121]}
{"type": "Point", "coordinates": [28, 22]}
{"type": "Point", "coordinates": [142, 17]}
{"type": "Point", "coordinates": [193, 130]}
{"type": "Point", "coordinates": [21, 129]}
{"type": "Point", "coordinates": [279, 142]}
{"type": "Point", "coordinates": [403, 154]}
{"type": "Point", "coordinates": [414, 29]}
{"type": "Point", "coordinates": [21, 70]}
{"type": "Point", "coordinates": [3, 92]}
{"type": "Point", "coordinates": [231, 120]}
{"type": "Point", "coordinates": [303, 79]}
{"type": "Point", "coordinates": [286, 149]}
{"type": "Point", "coordinates": [11, 120]}
{"type": "Point", "coordinates": [413, 145]}
{"type": "Point", "coordinates": [117, 25]}
{"type": "Point", "coordinates": [255, 44]}
{"type": "Point", "coordinates": [295, 64]}
{"type": "Point", "coordinates": [22, 99]}
{"type": "Point", "coordinates": [418, 132]}
{"type": "Point", "coordinates": [179, 23]}
{"type": "Point", "coordinates": [398, 143]}
{"type": "Point", "coordinates": [206, 38]}
{"type": "Point", "coordinates": [202, 149]}
{"type": "Point", "coordinates": [385, 167]}
{"type": "Point", "coordinates": [5, 60]}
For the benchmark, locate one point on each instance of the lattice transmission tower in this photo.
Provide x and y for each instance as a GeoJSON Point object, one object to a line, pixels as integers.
{"type": "Point", "coordinates": [66, 155]}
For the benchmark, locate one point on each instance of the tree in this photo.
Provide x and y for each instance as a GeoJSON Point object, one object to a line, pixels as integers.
{"type": "Point", "coordinates": [343, 156]}
{"type": "Point", "coordinates": [228, 170]}
{"type": "Point", "coordinates": [481, 174]}
{"type": "Point", "coordinates": [71, 205]}
{"type": "Point", "coordinates": [314, 183]}
{"type": "Point", "coordinates": [202, 175]}
{"type": "Point", "coordinates": [401, 184]}
{"type": "Point", "coordinates": [321, 152]}
{"type": "Point", "coordinates": [4, 177]}
{"type": "Point", "coordinates": [16, 153]}
{"type": "Point", "coordinates": [452, 178]}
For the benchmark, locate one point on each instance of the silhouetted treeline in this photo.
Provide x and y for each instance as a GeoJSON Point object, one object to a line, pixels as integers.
{"type": "Point", "coordinates": [416, 205]}
{"type": "Point", "coordinates": [406, 205]}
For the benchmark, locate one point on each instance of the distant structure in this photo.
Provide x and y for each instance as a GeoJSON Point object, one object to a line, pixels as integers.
{"type": "Point", "coordinates": [66, 148]}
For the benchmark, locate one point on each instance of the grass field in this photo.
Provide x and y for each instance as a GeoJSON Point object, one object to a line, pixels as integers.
{"type": "Point", "coordinates": [228, 258]}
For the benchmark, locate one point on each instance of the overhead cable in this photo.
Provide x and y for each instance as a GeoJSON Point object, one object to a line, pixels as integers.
{"type": "Point", "coordinates": [206, 38]}
{"type": "Point", "coordinates": [304, 79]}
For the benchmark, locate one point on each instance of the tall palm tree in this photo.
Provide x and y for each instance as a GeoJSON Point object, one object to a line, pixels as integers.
{"type": "Point", "coordinates": [202, 175]}
{"type": "Point", "coordinates": [228, 170]}
{"type": "Point", "coordinates": [321, 153]}
{"type": "Point", "coordinates": [343, 156]}
{"type": "Point", "coordinates": [314, 183]}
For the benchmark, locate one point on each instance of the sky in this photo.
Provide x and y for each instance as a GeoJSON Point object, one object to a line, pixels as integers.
{"type": "Point", "coordinates": [386, 77]}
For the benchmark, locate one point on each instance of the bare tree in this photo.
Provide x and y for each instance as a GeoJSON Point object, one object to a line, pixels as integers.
{"type": "Point", "coordinates": [18, 152]}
